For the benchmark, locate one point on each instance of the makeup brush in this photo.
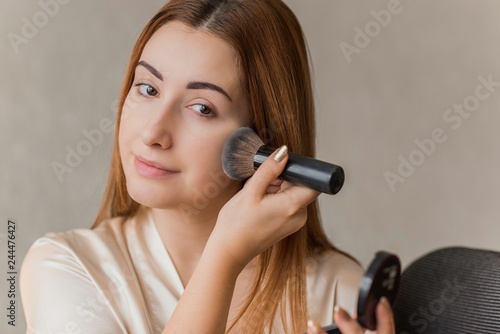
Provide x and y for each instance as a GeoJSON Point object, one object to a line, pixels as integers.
{"type": "Point", "coordinates": [244, 152]}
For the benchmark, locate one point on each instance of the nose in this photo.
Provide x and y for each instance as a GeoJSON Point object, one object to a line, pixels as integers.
{"type": "Point", "coordinates": [157, 132]}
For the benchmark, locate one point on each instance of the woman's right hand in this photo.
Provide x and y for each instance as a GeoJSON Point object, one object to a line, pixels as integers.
{"type": "Point", "coordinates": [262, 213]}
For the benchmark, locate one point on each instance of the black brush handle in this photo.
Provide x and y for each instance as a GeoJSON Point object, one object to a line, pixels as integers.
{"type": "Point", "coordinates": [332, 329]}
{"type": "Point", "coordinates": [309, 172]}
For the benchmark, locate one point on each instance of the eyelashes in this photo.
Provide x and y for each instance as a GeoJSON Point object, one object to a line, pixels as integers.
{"type": "Point", "coordinates": [147, 91]}
{"type": "Point", "coordinates": [203, 110]}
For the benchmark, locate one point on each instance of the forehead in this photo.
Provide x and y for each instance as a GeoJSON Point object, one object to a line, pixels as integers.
{"type": "Point", "coordinates": [180, 51]}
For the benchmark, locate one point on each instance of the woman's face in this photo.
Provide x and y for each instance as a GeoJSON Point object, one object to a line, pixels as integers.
{"type": "Point", "coordinates": [186, 99]}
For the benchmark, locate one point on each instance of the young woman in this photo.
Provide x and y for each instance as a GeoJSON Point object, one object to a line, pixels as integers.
{"type": "Point", "coordinates": [177, 247]}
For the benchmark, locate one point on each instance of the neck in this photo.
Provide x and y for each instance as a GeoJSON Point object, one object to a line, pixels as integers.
{"type": "Point", "coordinates": [185, 230]}
{"type": "Point", "coordinates": [179, 229]}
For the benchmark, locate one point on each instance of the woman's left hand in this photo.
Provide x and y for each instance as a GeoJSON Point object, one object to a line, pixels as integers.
{"type": "Point", "coordinates": [348, 325]}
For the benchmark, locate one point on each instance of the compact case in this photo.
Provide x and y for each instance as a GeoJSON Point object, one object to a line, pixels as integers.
{"type": "Point", "coordinates": [381, 279]}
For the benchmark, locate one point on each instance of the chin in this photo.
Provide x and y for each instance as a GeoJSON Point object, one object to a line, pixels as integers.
{"type": "Point", "coordinates": [153, 196]}
{"type": "Point", "coordinates": [189, 204]}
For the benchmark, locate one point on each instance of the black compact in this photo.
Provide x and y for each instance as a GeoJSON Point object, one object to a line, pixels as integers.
{"type": "Point", "coordinates": [381, 279]}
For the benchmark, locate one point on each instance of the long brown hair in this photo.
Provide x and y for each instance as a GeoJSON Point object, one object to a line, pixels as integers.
{"type": "Point", "coordinates": [275, 75]}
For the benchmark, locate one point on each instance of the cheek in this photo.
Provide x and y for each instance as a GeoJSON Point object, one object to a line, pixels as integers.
{"type": "Point", "coordinates": [205, 160]}
{"type": "Point", "coordinates": [129, 124]}
{"type": "Point", "coordinates": [127, 131]}
{"type": "Point", "coordinates": [207, 155]}
{"type": "Point", "coordinates": [208, 145]}
{"type": "Point", "coordinates": [208, 177]}
{"type": "Point", "coordinates": [123, 134]}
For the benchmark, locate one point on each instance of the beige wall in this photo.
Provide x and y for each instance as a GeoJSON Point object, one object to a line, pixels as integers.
{"type": "Point", "coordinates": [398, 88]}
{"type": "Point", "coordinates": [404, 87]}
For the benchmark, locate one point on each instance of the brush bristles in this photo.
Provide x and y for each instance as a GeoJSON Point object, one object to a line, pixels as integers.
{"type": "Point", "coordinates": [238, 153]}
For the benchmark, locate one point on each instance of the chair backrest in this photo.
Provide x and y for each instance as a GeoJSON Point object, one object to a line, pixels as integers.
{"type": "Point", "coordinates": [451, 290]}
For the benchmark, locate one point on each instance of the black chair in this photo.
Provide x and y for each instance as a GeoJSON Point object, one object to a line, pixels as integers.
{"type": "Point", "coordinates": [451, 290]}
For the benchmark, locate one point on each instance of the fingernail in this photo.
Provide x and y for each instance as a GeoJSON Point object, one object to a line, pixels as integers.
{"type": "Point", "coordinates": [385, 302]}
{"type": "Point", "coordinates": [312, 328]}
{"type": "Point", "coordinates": [281, 153]}
{"type": "Point", "coordinates": [343, 315]}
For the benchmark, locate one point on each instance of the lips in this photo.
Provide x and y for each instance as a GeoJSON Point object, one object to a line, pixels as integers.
{"type": "Point", "coordinates": [151, 169]}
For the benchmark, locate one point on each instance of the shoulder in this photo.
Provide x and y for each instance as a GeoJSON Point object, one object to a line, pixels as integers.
{"type": "Point", "coordinates": [61, 277]}
{"type": "Point", "coordinates": [110, 232]}
{"type": "Point", "coordinates": [77, 247]}
{"type": "Point", "coordinates": [336, 267]}
{"type": "Point", "coordinates": [333, 278]}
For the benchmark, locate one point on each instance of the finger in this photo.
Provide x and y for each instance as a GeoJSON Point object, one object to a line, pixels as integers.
{"type": "Point", "coordinates": [298, 194]}
{"type": "Point", "coordinates": [385, 317]}
{"type": "Point", "coordinates": [285, 185]}
{"type": "Point", "coordinates": [276, 182]}
{"type": "Point", "coordinates": [269, 171]}
{"type": "Point", "coordinates": [314, 328]}
{"type": "Point", "coordinates": [272, 189]}
{"type": "Point", "coordinates": [346, 324]}
{"type": "Point", "coordinates": [274, 186]}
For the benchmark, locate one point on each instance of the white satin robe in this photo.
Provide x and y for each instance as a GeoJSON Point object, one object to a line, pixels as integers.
{"type": "Point", "coordinates": [119, 278]}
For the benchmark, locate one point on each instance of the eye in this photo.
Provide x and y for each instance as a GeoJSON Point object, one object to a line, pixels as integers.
{"type": "Point", "coordinates": [203, 110]}
{"type": "Point", "coordinates": [146, 90]}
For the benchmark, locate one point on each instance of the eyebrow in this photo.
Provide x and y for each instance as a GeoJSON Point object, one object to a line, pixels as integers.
{"type": "Point", "coordinates": [208, 85]}
{"type": "Point", "coordinates": [191, 85]}
{"type": "Point", "coordinates": [151, 69]}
